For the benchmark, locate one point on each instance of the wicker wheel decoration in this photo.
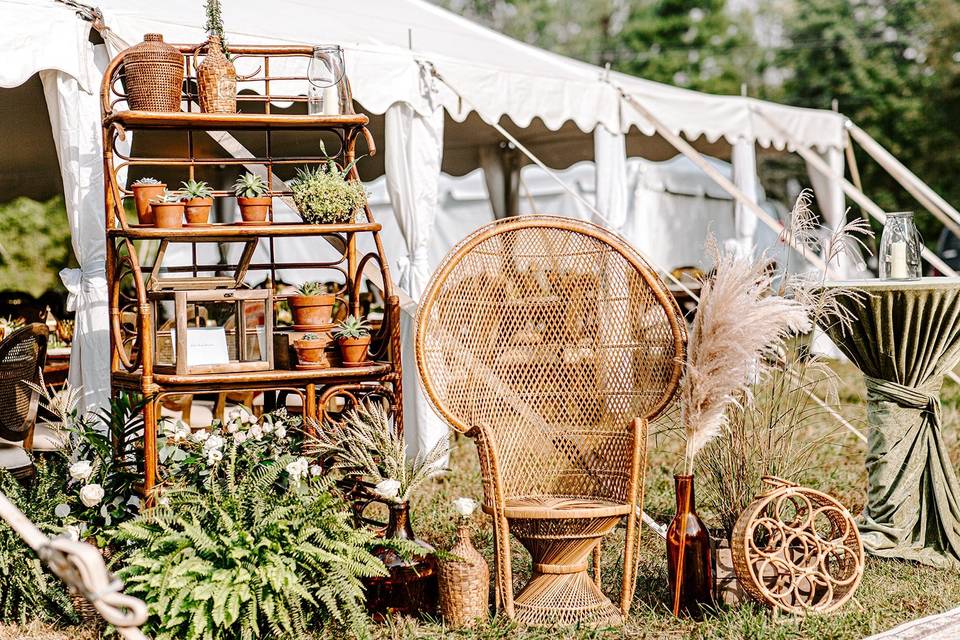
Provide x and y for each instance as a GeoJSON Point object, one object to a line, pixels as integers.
{"type": "Point", "coordinates": [797, 549]}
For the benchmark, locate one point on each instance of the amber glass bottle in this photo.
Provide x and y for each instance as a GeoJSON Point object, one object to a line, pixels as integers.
{"type": "Point", "coordinates": [689, 554]}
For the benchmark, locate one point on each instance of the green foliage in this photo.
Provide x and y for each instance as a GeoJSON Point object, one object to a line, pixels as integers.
{"type": "Point", "coordinates": [694, 44]}
{"type": "Point", "coordinates": [214, 25]}
{"type": "Point", "coordinates": [312, 289]}
{"type": "Point", "coordinates": [352, 327]}
{"type": "Point", "coordinates": [27, 590]}
{"type": "Point", "coordinates": [324, 195]}
{"type": "Point", "coordinates": [250, 185]}
{"type": "Point", "coordinates": [194, 189]}
{"type": "Point", "coordinates": [168, 197]}
{"type": "Point", "coordinates": [34, 245]}
{"type": "Point", "coordinates": [253, 555]}
{"type": "Point", "coordinates": [146, 182]}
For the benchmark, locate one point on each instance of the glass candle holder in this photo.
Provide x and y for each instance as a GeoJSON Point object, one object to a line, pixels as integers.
{"type": "Point", "coordinates": [900, 248]}
{"type": "Point", "coordinates": [325, 75]}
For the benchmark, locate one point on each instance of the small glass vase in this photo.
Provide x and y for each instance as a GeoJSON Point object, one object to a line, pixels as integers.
{"type": "Point", "coordinates": [900, 247]}
{"type": "Point", "coordinates": [325, 75]}
{"type": "Point", "coordinates": [411, 586]}
{"type": "Point", "coordinates": [689, 554]}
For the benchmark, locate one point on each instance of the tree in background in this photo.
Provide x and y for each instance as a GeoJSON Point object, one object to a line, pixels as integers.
{"type": "Point", "coordinates": [696, 44]}
{"type": "Point", "coordinates": [34, 245]}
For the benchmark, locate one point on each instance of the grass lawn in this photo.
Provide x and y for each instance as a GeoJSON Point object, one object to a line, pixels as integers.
{"type": "Point", "coordinates": [891, 592]}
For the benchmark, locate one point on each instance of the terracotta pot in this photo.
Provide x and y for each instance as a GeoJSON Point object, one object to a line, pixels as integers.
{"type": "Point", "coordinates": [142, 195]}
{"type": "Point", "coordinates": [197, 210]}
{"type": "Point", "coordinates": [254, 209]}
{"type": "Point", "coordinates": [168, 215]}
{"type": "Point", "coordinates": [312, 351]}
{"type": "Point", "coordinates": [354, 350]}
{"type": "Point", "coordinates": [312, 310]}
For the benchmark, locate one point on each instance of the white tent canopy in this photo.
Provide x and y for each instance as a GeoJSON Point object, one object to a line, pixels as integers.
{"type": "Point", "coordinates": [552, 104]}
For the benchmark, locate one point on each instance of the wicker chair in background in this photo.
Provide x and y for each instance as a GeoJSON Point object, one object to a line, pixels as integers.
{"type": "Point", "coordinates": [22, 355]}
{"type": "Point", "coordinates": [553, 343]}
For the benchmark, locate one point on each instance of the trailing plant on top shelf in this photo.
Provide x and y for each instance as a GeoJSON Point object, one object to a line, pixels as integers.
{"type": "Point", "coordinates": [324, 194]}
{"type": "Point", "coordinates": [214, 24]}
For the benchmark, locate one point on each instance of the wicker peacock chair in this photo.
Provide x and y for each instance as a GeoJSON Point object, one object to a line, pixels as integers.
{"type": "Point", "coordinates": [553, 343]}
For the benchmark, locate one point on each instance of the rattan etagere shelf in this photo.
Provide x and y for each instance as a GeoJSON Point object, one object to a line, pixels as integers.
{"type": "Point", "coordinates": [135, 253]}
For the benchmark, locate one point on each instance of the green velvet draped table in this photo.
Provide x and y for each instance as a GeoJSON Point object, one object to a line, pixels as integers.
{"type": "Point", "coordinates": [905, 338]}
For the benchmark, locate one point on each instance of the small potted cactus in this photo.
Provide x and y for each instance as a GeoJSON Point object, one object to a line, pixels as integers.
{"type": "Point", "coordinates": [311, 350]}
{"type": "Point", "coordinates": [198, 200]}
{"type": "Point", "coordinates": [353, 337]}
{"type": "Point", "coordinates": [145, 190]}
{"type": "Point", "coordinates": [251, 193]}
{"type": "Point", "coordinates": [168, 210]}
{"type": "Point", "coordinates": [312, 306]}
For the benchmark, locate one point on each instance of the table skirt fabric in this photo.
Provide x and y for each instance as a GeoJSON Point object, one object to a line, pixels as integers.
{"type": "Point", "coordinates": [904, 339]}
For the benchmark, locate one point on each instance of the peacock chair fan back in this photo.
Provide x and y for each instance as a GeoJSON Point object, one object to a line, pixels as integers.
{"type": "Point", "coordinates": [545, 338]}
{"type": "Point", "coordinates": [22, 355]}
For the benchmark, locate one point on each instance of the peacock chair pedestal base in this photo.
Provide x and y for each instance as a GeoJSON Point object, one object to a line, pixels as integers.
{"type": "Point", "coordinates": [560, 534]}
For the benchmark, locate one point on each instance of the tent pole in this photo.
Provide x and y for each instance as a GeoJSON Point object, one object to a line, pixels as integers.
{"type": "Point", "coordinates": [926, 196]}
{"type": "Point", "coordinates": [855, 194]}
{"type": "Point", "coordinates": [855, 176]}
{"type": "Point", "coordinates": [697, 158]}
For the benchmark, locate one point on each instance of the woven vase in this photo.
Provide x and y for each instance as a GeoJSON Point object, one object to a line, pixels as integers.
{"type": "Point", "coordinates": [217, 78]}
{"type": "Point", "coordinates": [153, 75]}
{"type": "Point", "coordinates": [464, 582]}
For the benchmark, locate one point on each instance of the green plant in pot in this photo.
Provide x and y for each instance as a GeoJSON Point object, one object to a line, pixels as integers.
{"type": "Point", "coordinates": [312, 306]}
{"type": "Point", "coordinates": [311, 350]}
{"type": "Point", "coordinates": [168, 210]}
{"type": "Point", "coordinates": [145, 190]}
{"type": "Point", "coordinates": [251, 192]}
{"type": "Point", "coordinates": [198, 200]}
{"type": "Point", "coordinates": [353, 338]}
{"type": "Point", "coordinates": [324, 194]}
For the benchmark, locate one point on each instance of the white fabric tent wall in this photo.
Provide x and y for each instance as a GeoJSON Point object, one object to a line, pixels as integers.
{"type": "Point", "coordinates": [745, 177]}
{"type": "Point", "coordinates": [610, 158]}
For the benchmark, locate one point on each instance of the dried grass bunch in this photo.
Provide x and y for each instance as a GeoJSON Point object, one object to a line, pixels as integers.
{"type": "Point", "coordinates": [778, 427]}
{"type": "Point", "coordinates": [365, 444]}
{"type": "Point", "coordinates": [739, 325]}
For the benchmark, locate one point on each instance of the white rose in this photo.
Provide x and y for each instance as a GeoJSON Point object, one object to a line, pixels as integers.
{"type": "Point", "coordinates": [232, 427]}
{"type": "Point", "coordinates": [72, 532]}
{"type": "Point", "coordinates": [214, 456]}
{"type": "Point", "coordinates": [81, 470]}
{"type": "Point", "coordinates": [315, 470]}
{"type": "Point", "coordinates": [240, 437]}
{"type": "Point", "coordinates": [91, 495]}
{"type": "Point", "coordinates": [465, 506]}
{"type": "Point", "coordinates": [213, 443]}
{"type": "Point", "coordinates": [281, 433]}
{"type": "Point", "coordinates": [388, 489]}
{"type": "Point", "coordinates": [297, 469]}
{"type": "Point", "coordinates": [182, 433]}
{"type": "Point", "coordinates": [267, 427]}
{"type": "Point", "coordinates": [200, 436]}
{"type": "Point", "coordinates": [256, 432]}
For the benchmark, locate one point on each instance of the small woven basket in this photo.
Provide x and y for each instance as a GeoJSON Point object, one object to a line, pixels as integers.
{"type": "Point", "coordinates": [217, 79]}
{"type": "Point", "coordinates": [797, 550]}
{"type": "Point", "coordinates": [464, 582]}
{"type": "Point", "coordinates": [153, 75]}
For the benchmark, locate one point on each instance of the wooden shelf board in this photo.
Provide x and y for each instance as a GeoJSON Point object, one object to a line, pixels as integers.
{"type": "Point", "coordinates": [211, 382]}
{"type": "Point", "coordinates": [225, 232]}
{"type": "Point", "coordinates": [229, 121]}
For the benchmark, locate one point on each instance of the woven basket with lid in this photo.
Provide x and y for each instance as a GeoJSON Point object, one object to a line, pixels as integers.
{"type": "Point", "coordinates": [153, 75]}
{"type": "Point", "coordinates": [797, 549]}
{"type": "Point", "coordinates": [217, 79]}
{"type": "Point", "coordinates": [464, 582]}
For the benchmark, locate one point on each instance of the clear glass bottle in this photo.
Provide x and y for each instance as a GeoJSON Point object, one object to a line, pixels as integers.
{"type": "Point", "coordinates": [900, 248]}
{"type": "Point", "coordinates": [325, 75]}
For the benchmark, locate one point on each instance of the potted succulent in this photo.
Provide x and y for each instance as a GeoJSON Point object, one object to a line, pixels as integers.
{"type": "Point", "coordinates": [198, 200]}
{"type": "Point", "coordinates": [145, 190]}
{"type": "Point", "coordinates": [311, 350]}
{"type": "Point", "coordinates": [312, 306]}
{"type": "Point", "coordinates": [168, 210]}
{"type": "Point", "coordinates": [353, 337]}
{"type": "Point", "coordinates": [324, 195]}
{"type": "Point", "coordinates": [251, 196]}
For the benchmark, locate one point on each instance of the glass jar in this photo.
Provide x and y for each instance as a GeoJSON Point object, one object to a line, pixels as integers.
{"type": "Point", "coordinates": [325, 75]}
{"type": "Point", "coordinates": [900, 248]}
